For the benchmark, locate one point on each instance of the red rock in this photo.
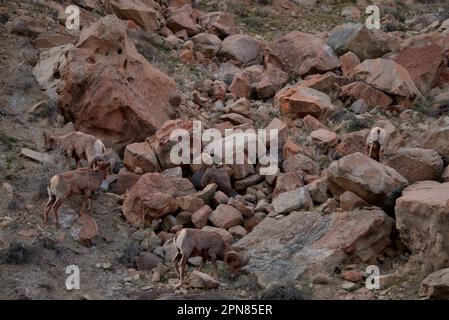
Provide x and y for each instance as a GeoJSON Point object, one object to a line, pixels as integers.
{"type": "Point", "coordinates": [184, 18]}
{"type": "Point", "coordinates": [207, 44]}
{"type": "Point", "coordinates": [422, 63]}
{"type": "Point", "coordinates": [110, 90]}
{"type": "Point", "coordinates": [242, 84]}
{"type": "Point", "coordinates": [311, 123]}
{"type": "Point", "coordinates": [272, 79]}
{"type": "Point", "coordinates": [200, 217]}
{"type": "Point", "coordinates": [141, 155]}
{"type": "Point", "coordinates": [225, 217]}
{"type": "Point", "coordinates": [421, 219]}
{"type": "Point", "coordinates": [372, 181]}
{"type": "Point", "coordinates": [407, 160]}
{"type": "Point", "coordinates": [324, 241]}
{"type": "Point", "coordinates": [153, 197]}
{"type": "Point", "coordinates": [290, 148]}
{"type": "Point", "coordinates": [299, 162]}
{"type": "Point", "coordinates": [287, 182]}
{"type": "Point", "coordinates": [219, 23]}
{"type": "Point", "coordinates": [352, 142]}
{"type": "Point", "coordinates": [348, 62]}
{"type": "Point", "coordinates": [162, 145]}
{"type": "Point", "coordinates": [355, 37]}
{"type": "Point", "coordinates": [327, 83]}
{"type": "Point", "coordinates": [142, 12]}
{"type": "Point", "coordinates": [243, 49]}
{"type": "Point", "coordinates": [352, 275]}
{"type": "Point", "coordinates": [125, 181]}
{"type": "Point", "coordinates": [89, 229]}
{"type": "Point", "coordinates": [372, 97]}
{"type": "Point", "coordinates": [324, 137]}
{"type": "Point", "coordinates": [301, 54]}
{"type": "Point", "coordinates": [350, 201]}
{"type": "Point", "coordinates": [302, 101]}
{"type": "Point", "coordinates": [388, 76]}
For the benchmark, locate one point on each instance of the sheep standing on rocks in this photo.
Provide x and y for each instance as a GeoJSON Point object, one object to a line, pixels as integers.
{"type": "Point", "coordinates": [84, 181]}
{"type": "Point", "coordinates": [375, 143]}
{"type": "Point", "coordinates": [77, 145]}
{"type": "Point", "coordinates": [206, 244]}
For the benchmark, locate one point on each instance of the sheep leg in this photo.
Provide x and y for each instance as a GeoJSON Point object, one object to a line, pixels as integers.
{"type": "Point", "coordinates": [55, 208]}
{"type": "Point", "coordinates": [213, 260]}
{"type": "Point", "coordinates": [176, 261]}
{"type": "Point", "coordinates": [182, 267]}
{"type": "Point", "coordinates": [203, 260]}
{"type": "Point", "coordinates": [50, 202]}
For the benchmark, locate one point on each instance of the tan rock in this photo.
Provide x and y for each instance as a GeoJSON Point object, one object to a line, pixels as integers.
{"type": "Point", "coordinates": [372, 181]}
{"type": "Point", "coordinates": [153, 197]}
{"type": "Point", "coordinates": [141, 155]}
{"type": "Point", "coordinates": [421, 219]}
{"type": "Point", "coordinates": [142, 95]}
{"type": "Point", "coordinates": [301, 54]}
{"type": "Point", "coordinates": [416, 164]}
{"type": "Point", "coordinates": [225, 217]}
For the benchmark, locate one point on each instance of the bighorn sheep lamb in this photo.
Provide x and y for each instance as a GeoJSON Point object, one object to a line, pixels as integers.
{"type": "Point", "coordinates": [206, 244]}
{"type": "Point", "coordinates": [375, 143]}
{"type": "Point", "coordinates": [84, 181]}
{"type": "Point", "coordinates": [77, 145]}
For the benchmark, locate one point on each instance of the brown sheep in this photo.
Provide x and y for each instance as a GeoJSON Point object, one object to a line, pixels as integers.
{"type": "Point", "coordinates": [84, 181]}
{"type": "Point", "coordinates": [206, 244]}
{"type": "Point", "coordinates": [77, 145]}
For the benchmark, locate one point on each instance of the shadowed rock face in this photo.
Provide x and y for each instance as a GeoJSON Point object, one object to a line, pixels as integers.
{"type": "Point", "coordinates": [109, 90]}
{"type": "Point", "coordinates": [304, 243]}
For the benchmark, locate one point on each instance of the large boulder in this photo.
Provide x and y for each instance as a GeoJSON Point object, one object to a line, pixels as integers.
{"type": "Point", "coordinates": [153, 197]}
{"type": "Point", "coordinates": [301, 101]}
{"type": "Point", "coordinates": [243, 49]}
{"type": "Point", "coordinates": [422, 221]}
{"type": "Point", "coordinates": [109, 90]}
{"type": "Point", "coordinates": [304, 243]}
{"type": "Point", "coordinates": [355, 37]}
{"type": "Point", "coordinates": [142, 12]}
{"type": "Point", "coordinates": [388, 76]}
{"type": "Point", "coordinates": [301, 54]}
{"type": "Point", "coordinates": [374, 182]}
{"type": "Point", "coordinates": [416, 164]}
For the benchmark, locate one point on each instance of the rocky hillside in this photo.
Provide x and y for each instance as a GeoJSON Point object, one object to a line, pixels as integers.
{"type": "Point", "coordinates": [136, 71]}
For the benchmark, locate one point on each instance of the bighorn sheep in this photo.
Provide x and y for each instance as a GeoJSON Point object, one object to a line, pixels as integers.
{"type": "Point", "coordinates": [77, 145]}
{"type": "Point", "coordinates": [375, 143]}
{"type": "Point", "coordinates": [84, 181]}
{"type": "Point", "coordinates": [206, 244]}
